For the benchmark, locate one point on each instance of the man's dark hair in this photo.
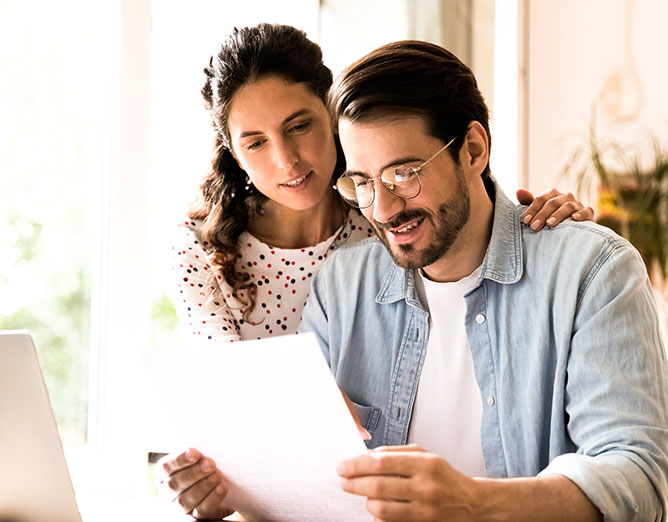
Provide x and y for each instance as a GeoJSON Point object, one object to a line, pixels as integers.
{"type": "Point", "coordinates": [415, 78]}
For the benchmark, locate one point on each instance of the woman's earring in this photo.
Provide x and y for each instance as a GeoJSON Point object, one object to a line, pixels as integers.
{"type": "Point", "coordinates": [249, 183]}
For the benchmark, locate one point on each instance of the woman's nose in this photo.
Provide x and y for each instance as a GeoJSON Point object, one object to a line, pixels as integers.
{"type": "Point", "coordinates": [286, 155]}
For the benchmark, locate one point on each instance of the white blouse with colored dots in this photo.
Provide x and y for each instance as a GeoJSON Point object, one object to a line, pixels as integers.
{"type": "Point", "coordinates": [204, 301]}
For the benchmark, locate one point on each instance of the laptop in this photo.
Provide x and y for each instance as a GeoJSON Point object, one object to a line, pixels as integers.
{"type": "Point", "coordinates": [35, 485]}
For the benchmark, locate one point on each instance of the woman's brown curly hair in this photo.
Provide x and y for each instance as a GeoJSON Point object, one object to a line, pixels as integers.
{"type": "Point", "coordinates": [227, 199]}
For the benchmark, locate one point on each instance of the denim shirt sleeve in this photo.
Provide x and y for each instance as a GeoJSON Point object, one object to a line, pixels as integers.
{"type": "Point", "coordinates": [616, 393]}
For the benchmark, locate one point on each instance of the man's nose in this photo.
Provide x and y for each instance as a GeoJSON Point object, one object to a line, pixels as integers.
{"type": "Point", "coordinates": [386, 205]}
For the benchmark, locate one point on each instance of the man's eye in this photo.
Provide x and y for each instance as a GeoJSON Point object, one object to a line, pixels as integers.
{"type": "Point", "coordinates": [360, 182]}
{"type": "Point", "coordinates": [402, 173]}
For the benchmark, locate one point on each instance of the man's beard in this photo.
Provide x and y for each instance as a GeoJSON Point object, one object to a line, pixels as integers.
{"type": "Point", "coordinates": [448, 222]}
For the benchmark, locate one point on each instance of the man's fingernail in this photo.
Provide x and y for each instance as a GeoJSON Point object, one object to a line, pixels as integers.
{"type": "Point", "coordinates": [206, 466]}
{"type": "Point", "coordinates": [190, 457]}
{"type": "Point", "coordinates": [341, 468]}
{"type": "Point", "coordinates": [535, 224]}
{"type": "Point", "coordinates": [552, 221]}
{"type": "Point", "coordinates": [220, 489]}
{"type": "Point", "coordinates": [577, 215]}
{"type": "Point", "coordinates": [527, 218]}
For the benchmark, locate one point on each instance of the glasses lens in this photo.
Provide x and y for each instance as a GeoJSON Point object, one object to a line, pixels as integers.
{"type": "Point", "coordinates": [346, 187]}
{"type": "Point", "coordinates": [402, 181]}
{"type": "Point", "coordinates": [356, 190]}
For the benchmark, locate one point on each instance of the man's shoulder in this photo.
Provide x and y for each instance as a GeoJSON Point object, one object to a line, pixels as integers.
{"type": "Point", "coordinates": [581, 246]}
{"type": "Point", "coordinates": [361, 251]}
{"type": "Point", "coordinates": [355, 257]}
{"type": "Point", "coordinates": [573, 235]}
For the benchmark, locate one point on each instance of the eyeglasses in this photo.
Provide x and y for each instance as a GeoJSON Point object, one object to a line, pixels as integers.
{"type": "Point", "coordinates": [401, 180]}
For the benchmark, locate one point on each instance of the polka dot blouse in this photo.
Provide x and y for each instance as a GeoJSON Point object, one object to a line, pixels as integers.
{"type": "Point", "coordinates": [204, 301]}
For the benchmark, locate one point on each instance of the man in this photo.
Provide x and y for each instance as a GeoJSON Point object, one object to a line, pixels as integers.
{"type": "Point", "coordinates": [502, 374]}
{"type": "Point", "coordinates": [529, 365]}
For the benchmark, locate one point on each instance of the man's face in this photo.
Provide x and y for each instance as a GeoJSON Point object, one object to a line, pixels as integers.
{"type": "Point", "coordinates": [417, 232]}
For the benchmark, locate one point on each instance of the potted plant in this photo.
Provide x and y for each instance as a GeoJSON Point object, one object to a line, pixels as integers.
{"type": "Point", "coordinates": [632, 193]}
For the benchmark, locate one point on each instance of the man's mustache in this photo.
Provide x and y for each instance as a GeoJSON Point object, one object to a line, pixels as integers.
{"type": "Point", "coordinates": [402, 218]}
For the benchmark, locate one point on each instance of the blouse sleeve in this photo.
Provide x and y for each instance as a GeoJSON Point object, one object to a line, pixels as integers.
{"type": "Point", "coordinates": [198, 298]}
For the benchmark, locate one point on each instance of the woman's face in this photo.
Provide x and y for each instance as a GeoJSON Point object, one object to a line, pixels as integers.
{"type": "Point", "coordinates": [282, 137]}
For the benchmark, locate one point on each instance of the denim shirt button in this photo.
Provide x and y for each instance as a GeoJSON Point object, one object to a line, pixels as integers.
{"type": "Point", "coordinates": [480, 318]}
{"type": "Point", "coordinates": [490, 400]}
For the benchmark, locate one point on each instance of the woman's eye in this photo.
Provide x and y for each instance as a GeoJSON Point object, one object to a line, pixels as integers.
{"type": "Point", "coordinates": [255, 145]}
{"type": "Point", "coordinates": [300, 127]}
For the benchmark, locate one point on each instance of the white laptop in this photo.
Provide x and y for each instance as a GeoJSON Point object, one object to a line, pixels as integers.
{"type": "Point", "coordinates": [35, 485]}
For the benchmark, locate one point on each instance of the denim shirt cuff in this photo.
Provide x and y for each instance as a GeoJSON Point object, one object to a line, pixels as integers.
{"type": "Point", "coordinates": [620, 496]}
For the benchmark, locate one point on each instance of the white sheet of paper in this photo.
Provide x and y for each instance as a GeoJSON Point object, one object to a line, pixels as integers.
{"type": "Point", "coordinates": [272, 417]}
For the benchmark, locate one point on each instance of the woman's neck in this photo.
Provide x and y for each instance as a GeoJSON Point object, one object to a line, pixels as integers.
{"type": "Point", "coordinates": [284, 227]}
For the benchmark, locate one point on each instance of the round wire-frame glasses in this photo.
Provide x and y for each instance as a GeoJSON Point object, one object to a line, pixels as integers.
{"type": "Point", "coordinates": [401, 180]}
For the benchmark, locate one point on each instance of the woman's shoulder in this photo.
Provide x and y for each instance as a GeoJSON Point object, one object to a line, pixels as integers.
{"type": "Point", "coordinates": [187, 242]}
{"type": "Point", "coordinates": [190, 225]}
{"type": "Point", "coordinates": [189, 232]}
{"type": "Point", "coordinates": [356, 228]}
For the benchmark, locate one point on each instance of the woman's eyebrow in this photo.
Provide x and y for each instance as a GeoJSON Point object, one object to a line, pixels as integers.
{"type": "Point", "coordinates": [295, 114]}
{"type": "Point", "coordinates": [292, 116]}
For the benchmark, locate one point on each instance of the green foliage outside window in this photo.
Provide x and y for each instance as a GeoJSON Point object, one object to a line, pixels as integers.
{"type": "Point", "coordinates": [164, 323]}
{"type": "Point", "coordinates": [53, 304]}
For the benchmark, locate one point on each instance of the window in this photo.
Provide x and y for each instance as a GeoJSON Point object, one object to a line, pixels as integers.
{"type": "Point", "coordinates": [53, 58]}
{"type": "Point", "coordinates": [103, 142]}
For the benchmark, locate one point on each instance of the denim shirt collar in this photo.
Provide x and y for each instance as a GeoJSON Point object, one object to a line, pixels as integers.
{"type": "Point", "coordinates": [503, 262]}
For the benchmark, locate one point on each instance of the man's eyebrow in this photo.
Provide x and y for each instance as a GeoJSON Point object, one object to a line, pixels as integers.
{"type": "Point", "coordinates": [355, 173]}
{"type": "Point", "coordinates": [296, 114]}
{"type": "Point", "coordinates": [400, 161]}
{"type": "Point", "coordinates": [393, 163]}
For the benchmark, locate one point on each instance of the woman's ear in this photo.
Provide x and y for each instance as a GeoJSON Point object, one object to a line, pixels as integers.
{"type": "Point", "coordinates": [476, 148]}
{"type": "Point", "coordinates": [236, 158]}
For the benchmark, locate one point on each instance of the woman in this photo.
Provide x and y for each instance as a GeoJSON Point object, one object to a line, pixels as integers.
{"type": "Point", "coordinates": [267, 216]}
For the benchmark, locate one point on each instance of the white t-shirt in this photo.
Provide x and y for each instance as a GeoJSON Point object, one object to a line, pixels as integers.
{"type": "Point", "coordinates": [204, 301]}
{"type": "Point", "coordinates": [448, 407]}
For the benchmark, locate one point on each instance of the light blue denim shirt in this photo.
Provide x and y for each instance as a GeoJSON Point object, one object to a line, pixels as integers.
{"type": "Point", "coordinates": [566, 347]}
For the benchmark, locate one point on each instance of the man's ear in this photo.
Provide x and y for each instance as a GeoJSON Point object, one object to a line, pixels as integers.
{"type": "Point", "coordinates": [475, 149]}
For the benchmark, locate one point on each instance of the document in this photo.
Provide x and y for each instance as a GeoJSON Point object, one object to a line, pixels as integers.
{"type": "Point", "coordinates": [272, 417]}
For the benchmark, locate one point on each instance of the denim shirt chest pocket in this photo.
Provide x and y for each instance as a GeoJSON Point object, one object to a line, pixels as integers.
{"type": "Point", "coordinates": [384, 403]}
{"type": "Point", "coordinates": [369, 417]}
